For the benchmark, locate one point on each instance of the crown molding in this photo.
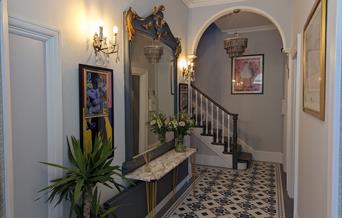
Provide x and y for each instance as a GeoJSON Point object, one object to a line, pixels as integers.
{"type": "Point", "coordinates": [204, 3]}
{"type": "Point", "coordinates": [250, 29]}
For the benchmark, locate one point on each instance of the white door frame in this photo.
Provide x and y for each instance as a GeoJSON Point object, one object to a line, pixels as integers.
{"type": "Point", "coordinates": [295, 118]}
{"type": "Point", "coordinates": [6, 108]}
{"type": "Point", "coordinates": [50, 38]}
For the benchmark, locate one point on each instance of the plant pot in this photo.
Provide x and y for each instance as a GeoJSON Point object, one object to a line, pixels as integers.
{"type": "Point", "coordinates": [180, 147]}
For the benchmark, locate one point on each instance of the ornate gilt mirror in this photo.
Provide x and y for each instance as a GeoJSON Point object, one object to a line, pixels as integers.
{"type": "Point", "coordinates": [151, 53]}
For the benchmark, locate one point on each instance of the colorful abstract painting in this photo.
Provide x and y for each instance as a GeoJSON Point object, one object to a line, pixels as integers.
{"type": "Point", "coordinates": [248, 74]}
{"type": "Point", "coordinates": [96, 105]}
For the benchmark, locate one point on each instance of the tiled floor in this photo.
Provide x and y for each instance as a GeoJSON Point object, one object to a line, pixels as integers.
{"type": "Point", "coordinates": [219, 192]}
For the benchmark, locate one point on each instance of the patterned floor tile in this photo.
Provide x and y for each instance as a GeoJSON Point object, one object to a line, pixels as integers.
{"type": "Point", "coordinates": [227, 193]}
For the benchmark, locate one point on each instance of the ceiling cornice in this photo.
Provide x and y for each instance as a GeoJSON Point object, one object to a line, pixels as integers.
{"type": "Point", "coordinates": [250, 29]}
{"type": "Point", "coordinates": [203, 3]}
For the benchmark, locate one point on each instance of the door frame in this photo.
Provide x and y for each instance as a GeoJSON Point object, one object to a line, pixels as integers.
{"type": "Point", "coordinates": [6, 109]}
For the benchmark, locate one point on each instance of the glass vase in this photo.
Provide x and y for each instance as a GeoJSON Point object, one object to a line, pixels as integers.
{"type": "Point", "coordinates": [180, 147]}
{"type": "Point", "coordinates": [162, 139]}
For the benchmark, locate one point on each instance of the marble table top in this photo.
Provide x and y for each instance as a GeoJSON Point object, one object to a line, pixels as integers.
{"type": "Point", "coordinates": [160, 166]}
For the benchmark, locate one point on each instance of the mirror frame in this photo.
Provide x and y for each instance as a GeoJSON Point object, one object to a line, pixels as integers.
{"type": "Point", "coordinates": [155, 27]}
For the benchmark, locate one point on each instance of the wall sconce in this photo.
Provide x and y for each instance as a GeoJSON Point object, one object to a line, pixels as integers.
{"type": "Point", "coordinates": [106, 46]}
{"type": "Point", "coordinates": [188, 69]}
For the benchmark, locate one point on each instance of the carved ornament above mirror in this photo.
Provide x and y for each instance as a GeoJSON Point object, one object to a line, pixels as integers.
{"type": "Point", "coordinates": [154, 26]}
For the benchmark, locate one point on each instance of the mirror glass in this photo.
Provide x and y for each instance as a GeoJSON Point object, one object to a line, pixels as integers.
{"type": "Point", "coordinates": [152, 71]}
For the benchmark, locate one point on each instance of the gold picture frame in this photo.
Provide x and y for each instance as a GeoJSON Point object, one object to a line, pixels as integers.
{"type": "Point", "coordinates": [314, 61]}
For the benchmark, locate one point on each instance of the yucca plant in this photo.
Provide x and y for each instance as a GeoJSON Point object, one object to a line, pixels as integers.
{"type": "Point", "coordinates": [78, 185]}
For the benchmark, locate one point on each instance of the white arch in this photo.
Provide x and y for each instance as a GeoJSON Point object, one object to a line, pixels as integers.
{"type": "Point", "coordinates": [226, 11]}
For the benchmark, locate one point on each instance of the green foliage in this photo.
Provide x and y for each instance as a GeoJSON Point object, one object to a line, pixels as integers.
{"type": "Point", "coordinates": [159, 124]}
{"type": "Point", "coordinates": [181, 124]}
{"type": "Point", "coordinates": [80, 180]}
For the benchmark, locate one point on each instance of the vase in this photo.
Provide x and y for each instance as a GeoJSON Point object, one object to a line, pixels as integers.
{"type": "Point", "coordinates": [162, 139]}
{"type": "Point", "coordinates": [180, 147]}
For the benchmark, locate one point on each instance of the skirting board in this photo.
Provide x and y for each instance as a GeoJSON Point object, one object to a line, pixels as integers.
{"type": "Point", "coordinates": [268, 156]}
{"type": "Point", "coordinates": [210, 160]}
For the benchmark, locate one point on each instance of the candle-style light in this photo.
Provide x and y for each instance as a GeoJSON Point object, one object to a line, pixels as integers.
{"type": "Point", "coordinates": [106, 47]}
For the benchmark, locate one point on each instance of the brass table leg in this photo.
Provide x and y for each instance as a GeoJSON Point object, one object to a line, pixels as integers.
{"type": "Point", "coordinates": [174, 181]}
{"type": "Point", "coordinates": [151, 195]}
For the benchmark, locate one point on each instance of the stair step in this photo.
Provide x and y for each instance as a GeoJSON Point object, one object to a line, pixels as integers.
{"type": "Point", "coordinates": [244, 156]}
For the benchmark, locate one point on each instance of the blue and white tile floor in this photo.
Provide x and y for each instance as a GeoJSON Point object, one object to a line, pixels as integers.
{"type": "Point", "coordinates": [227, 193]}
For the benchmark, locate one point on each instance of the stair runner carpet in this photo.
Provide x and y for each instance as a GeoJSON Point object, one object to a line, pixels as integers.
{"type": "Point", "coordinates": [227, 193]}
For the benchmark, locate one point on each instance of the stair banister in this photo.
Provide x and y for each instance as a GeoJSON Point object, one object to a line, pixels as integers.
{"type": "Point", "coordinates": [232, 144]}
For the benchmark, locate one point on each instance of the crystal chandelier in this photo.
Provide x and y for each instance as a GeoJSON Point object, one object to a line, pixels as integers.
{"type": "Point", "coordinates": [235, 46]}
{"type": "Point", "coordinates": [153, 53]}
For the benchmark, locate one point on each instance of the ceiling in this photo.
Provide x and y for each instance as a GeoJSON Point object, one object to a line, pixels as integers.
{"type": "Point", "coordinates": [202, 3]}
{"type": "Point", "coordinates": [244, 22]}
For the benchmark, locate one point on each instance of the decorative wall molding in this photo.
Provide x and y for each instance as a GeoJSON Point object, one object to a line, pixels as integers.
{"type": "Point", "coordinates": [203, 3]}
{"type": "Point", "coordinates": [250, 29]}
{"type": "Point", "coordinates": [50, 38]}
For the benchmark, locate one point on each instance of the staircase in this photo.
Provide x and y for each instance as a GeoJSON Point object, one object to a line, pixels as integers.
{"type": "Point", "coordinates": [216, 128]}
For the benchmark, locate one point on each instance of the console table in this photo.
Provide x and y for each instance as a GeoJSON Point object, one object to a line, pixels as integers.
{"type": "Point", "coordinates": [156, 170]}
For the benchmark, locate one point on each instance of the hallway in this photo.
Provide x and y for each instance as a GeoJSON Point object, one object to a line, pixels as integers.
{"type": "Point", "coordinates": [227, 193]}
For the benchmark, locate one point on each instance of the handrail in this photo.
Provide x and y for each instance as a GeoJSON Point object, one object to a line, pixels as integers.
{"type": "Point", "coordinates": [212, 100]}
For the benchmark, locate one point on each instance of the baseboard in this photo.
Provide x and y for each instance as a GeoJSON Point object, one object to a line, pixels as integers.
{"type": "Point", "coordinates": [210, 160]}
{"type": "Point", "coordinates": [268, 156]}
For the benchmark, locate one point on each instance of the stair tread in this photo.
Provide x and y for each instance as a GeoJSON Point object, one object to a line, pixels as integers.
{"type": "Point", "coordinates": [244, 156]}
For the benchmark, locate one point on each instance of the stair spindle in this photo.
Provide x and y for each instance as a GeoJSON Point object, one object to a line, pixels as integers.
{"type": "Point", "coordinates": [201, 108]}
{"type": "Point", "coordinates": [228, 132]}
{"type": "Point", "coordinates": [223, 129]}
{"type": "Point", "coordinates": [217, 124]}
{"type": "Point", "coordinates": [212, 118]}
{"type": "Point", "coordinates": [190, 97]}
{"type": "Point", "coordinates": [196, 107]}
{"type": "Point", "coordinates": [206, 117]}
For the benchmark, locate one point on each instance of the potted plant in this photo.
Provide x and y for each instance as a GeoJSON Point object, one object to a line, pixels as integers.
{"type": "Point", "coordinates": [180, 125]}
{"type": "Point", "coordinates": [80, 180]}
{"type": "Point", "coordinates": [159, 126]}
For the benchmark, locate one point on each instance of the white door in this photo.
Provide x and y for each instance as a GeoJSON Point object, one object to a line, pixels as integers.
{"type": "Point", "coordinates": [29, 125]}
{"type": "Point", "coordinates": [36, 116]}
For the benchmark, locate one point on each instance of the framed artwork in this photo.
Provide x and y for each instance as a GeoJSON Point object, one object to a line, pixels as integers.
{"type": "Point", "coordinates": [248, 74]}
{"type": "Point", "coordinates": [314, 56]}
{"type": "Point", "coordinates": [96, 105]}
{"type": "Point", "coordinates": [183, 98]}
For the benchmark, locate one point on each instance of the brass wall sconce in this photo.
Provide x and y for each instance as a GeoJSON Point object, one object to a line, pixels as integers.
{"type": "Point", "coordinates": [188, 68]}
{"type": "Point", "coordinates": [105, 46]}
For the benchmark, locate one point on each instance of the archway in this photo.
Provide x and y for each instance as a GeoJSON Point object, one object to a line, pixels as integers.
{"type": "Point", "coordinates": [226, 11]}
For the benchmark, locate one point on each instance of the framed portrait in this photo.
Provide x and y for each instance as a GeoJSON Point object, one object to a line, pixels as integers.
{"type": "Point", "coordinates": [96, 105]}
{"type": "Point", "coordinates": [183, 98]}
{"type": "Point", "coordinates": [314, 57]}
{"type": "Point", "coordinates": [248, 74]}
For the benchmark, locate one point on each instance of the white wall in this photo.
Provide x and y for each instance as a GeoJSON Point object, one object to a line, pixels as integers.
{"type": "Point", "coordinates": [260, 118]}
{"type": "Point", "coordinates": [74, 20]}
{"type": "Point", "coordinates": [317, 147]}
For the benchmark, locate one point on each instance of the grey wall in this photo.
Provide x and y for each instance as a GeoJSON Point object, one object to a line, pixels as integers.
{"type": "Point", "coordinates": [260, 119]}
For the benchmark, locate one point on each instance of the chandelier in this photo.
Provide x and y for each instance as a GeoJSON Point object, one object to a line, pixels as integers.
{"type": "Point", "coordinates": [235, 46]}
{"type": "Point", "coordinates": [153, 53]}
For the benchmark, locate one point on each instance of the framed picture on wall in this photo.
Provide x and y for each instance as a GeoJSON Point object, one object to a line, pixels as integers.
{"type": "Point", "coordinates": [314, 56]}
{"type": "Point", "coordinates": [96, 105]}
{"type": "Point", "coordinates": [183, 98]}
{"type": "Point", "coordinates": [248, 74]}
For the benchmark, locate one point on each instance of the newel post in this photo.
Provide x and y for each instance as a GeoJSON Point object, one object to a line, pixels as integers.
{"type": "Point", "coordinates": [235, 144]}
